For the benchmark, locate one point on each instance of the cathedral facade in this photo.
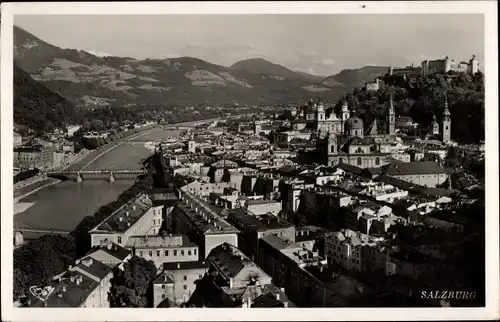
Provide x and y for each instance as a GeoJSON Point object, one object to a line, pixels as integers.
{"type": "Point", "coordinates": [314, 117]}
{"type": "Point", "coordinates": [349, 143]}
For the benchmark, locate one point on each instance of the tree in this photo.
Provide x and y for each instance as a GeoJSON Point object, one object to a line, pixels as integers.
{"type": "Point", "coordinates": [131, 287]}
{"type": "Point", "coordinates": [38, 261]}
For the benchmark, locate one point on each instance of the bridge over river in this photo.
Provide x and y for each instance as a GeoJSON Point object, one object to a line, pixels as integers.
{"type": "Point", "coordinates": [109, 175]}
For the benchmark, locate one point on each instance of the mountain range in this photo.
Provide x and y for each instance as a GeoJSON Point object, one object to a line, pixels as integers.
{"type": "Point", "coordinates": [87, 80]}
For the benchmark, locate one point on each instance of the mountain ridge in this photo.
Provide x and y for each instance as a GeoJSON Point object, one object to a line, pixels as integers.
{"type": "Point", "coordinates": [37, 107]}
{"type": "Point", "coordinates": [87, 80]}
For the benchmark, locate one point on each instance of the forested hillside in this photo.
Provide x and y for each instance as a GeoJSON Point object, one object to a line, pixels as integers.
{"type": "Point", "coordinates": [423, 96]}
{"type": "Point", "coordinates": [38, 108]}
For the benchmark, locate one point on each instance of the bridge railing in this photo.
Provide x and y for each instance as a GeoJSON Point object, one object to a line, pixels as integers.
{"type": "Point", "coordinates": [134, 171]}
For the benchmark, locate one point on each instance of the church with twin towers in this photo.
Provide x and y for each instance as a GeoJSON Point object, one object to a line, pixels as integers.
{"type": "Point", "coordinates": [343, 138]}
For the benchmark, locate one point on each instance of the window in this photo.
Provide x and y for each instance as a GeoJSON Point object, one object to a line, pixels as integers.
{"type": "Point", "coordinates": [185, 287]}
{"type": "Point", "coordinates": [359, 161]}
{"type": "Point", "coordinates": [332, 148]}
{"type": "Point", "coordinates": [163, 286]}
{"type": "Point", "coordinates": [175, 252]}
{"type": "Point", "coordinates": [182, 252]}
{"type": "Point", "coordinates": [340, 161]}
{"type": "Point", "coordinates": [119, 240]}
{"type": "Point", "coordinates": [189, 252]}
{"type": "Point", "coordinates": [166, 252]}
{"type": "Point", "coordinates": [140, 253]}
{"type": "Point", "coordinates": [158, 253]}
{"type": "Point", "coordinates": [163, 296]}
{"type": "Point", "coordinates": [185, 277]}
{"type": "Point", "coordinates": [194, 251]}
{"type": "Point", "coordinates": [154, 222]}
{"type": "Point", "coordinates": [150, 253]}
{"type": "Point", "coordinates": [201, 276]}
{"type": "Point", "coordinates": [377, 161]}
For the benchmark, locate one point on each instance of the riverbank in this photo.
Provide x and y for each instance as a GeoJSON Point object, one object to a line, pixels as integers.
{"type": "Point", "coordinates": [20, 207]}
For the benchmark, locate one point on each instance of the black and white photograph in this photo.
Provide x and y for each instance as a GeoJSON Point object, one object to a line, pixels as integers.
{"type": "Point", "coordinates": [333, 158]}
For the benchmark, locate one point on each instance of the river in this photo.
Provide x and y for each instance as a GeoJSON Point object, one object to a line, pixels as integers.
{"type": "Point", "coordinates": [61, 206]}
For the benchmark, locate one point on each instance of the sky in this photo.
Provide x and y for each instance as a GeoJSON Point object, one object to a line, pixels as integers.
{"type": "Point", "coordinates": [318, 44]}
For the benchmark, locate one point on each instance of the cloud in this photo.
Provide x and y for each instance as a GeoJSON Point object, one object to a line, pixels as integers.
{"type": "Point", "coordinates": [98, 53]}
{"type": "Point", "coordinates": [327, 61]}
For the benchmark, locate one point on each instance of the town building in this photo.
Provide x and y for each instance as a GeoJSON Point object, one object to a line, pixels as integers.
{"type": "Point", "coordinates": [164, 249]}
{"type": "Point", "coordinates": [290, 193]}
{"type": "Point", "coordinates": [18, 139]}
{"type": "Point", "coordinates": [344, 248]}
{"type": "Point", "coordinates": [218, 170]}
{"type": "Point", "coordinates": [426, 174]}
{"type": "Point", "coordinates": [233, 280]}
{"type": "Point", "coordinates": [201, 222]}
{"type": "Point", "coordinates": [382, 192]}
{"type": "Point", "coordinates": [110, 254]}
{"type": "Point", "coordinates": [84, 285]}
{"type": "Point", "coordinates": [370, 218]}
{"type": "Point", "coordinates": [294, 267]}
{"type": "Point", "coordinates": [253, 227]}
{"type": "Point", "coordinates": [33, 157]}
{"type": "Point", "coordinates": [261, 207]}
{"type": "Point", "coordinates": [138, 217]}
{"type": "Point", "coordinates": [177, 282]}
{"type": "Point", "coordinates": [204, 189]}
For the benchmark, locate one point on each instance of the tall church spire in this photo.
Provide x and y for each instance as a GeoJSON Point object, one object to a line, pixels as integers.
{"type": "Point", "coordinates": [446, 122]}
{"type": "Point", "coordinates": [391, 117]}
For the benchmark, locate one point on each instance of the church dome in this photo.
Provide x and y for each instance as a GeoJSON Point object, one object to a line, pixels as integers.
{"type": "Point", "coordinates": [354, 123]}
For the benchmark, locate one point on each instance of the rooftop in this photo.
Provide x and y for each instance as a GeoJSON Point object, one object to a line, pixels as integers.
{"type": "Point", "coordinates": [259, 223]}
{"type": "Point", "coordinates": [126, 216]}
{"type": "Point", "coordinates": [159, 241]}
{"type": "Point", "coordinates": [92, 268]}
{"type": "Point", "coordinates": [70, 291]}
{"type": "Point", "coordinates": [71, 288]}
{"type": "Point", "coordinates": [261, 202]}
{"type": "Point", "coordinates": [414, 168]}
{"type": "Point", "coordinates": [185, 265]}
{"type": "Point", "coordinates": [112, 249]}
{"type": "Point", "coordinates": [229, 260]}
{"type": "Point", "coordinates": [203, 216]}
{"type": "Point", "coordinates": [345, 286]}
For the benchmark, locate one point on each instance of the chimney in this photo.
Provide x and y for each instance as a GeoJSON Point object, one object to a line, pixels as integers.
{"type": "Point", "coordinates": [109, 245]}
{"type": "Point", "coordinates": [120, 219]}
{"type": "Point", "coordinates": [72, 278]}
{"type": "Point", "coordinates": [64, 289]}
{"type": "Point", "coordinates": [87, 261]}
{"type": "Point", "coordinates": [278, 296]}
{"type": "Point", "coordinates": [285, 304]}
{"type": "Point", "coordinates": [77, 280]}
{"type": "Point", "coordinates": [59, 295]}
